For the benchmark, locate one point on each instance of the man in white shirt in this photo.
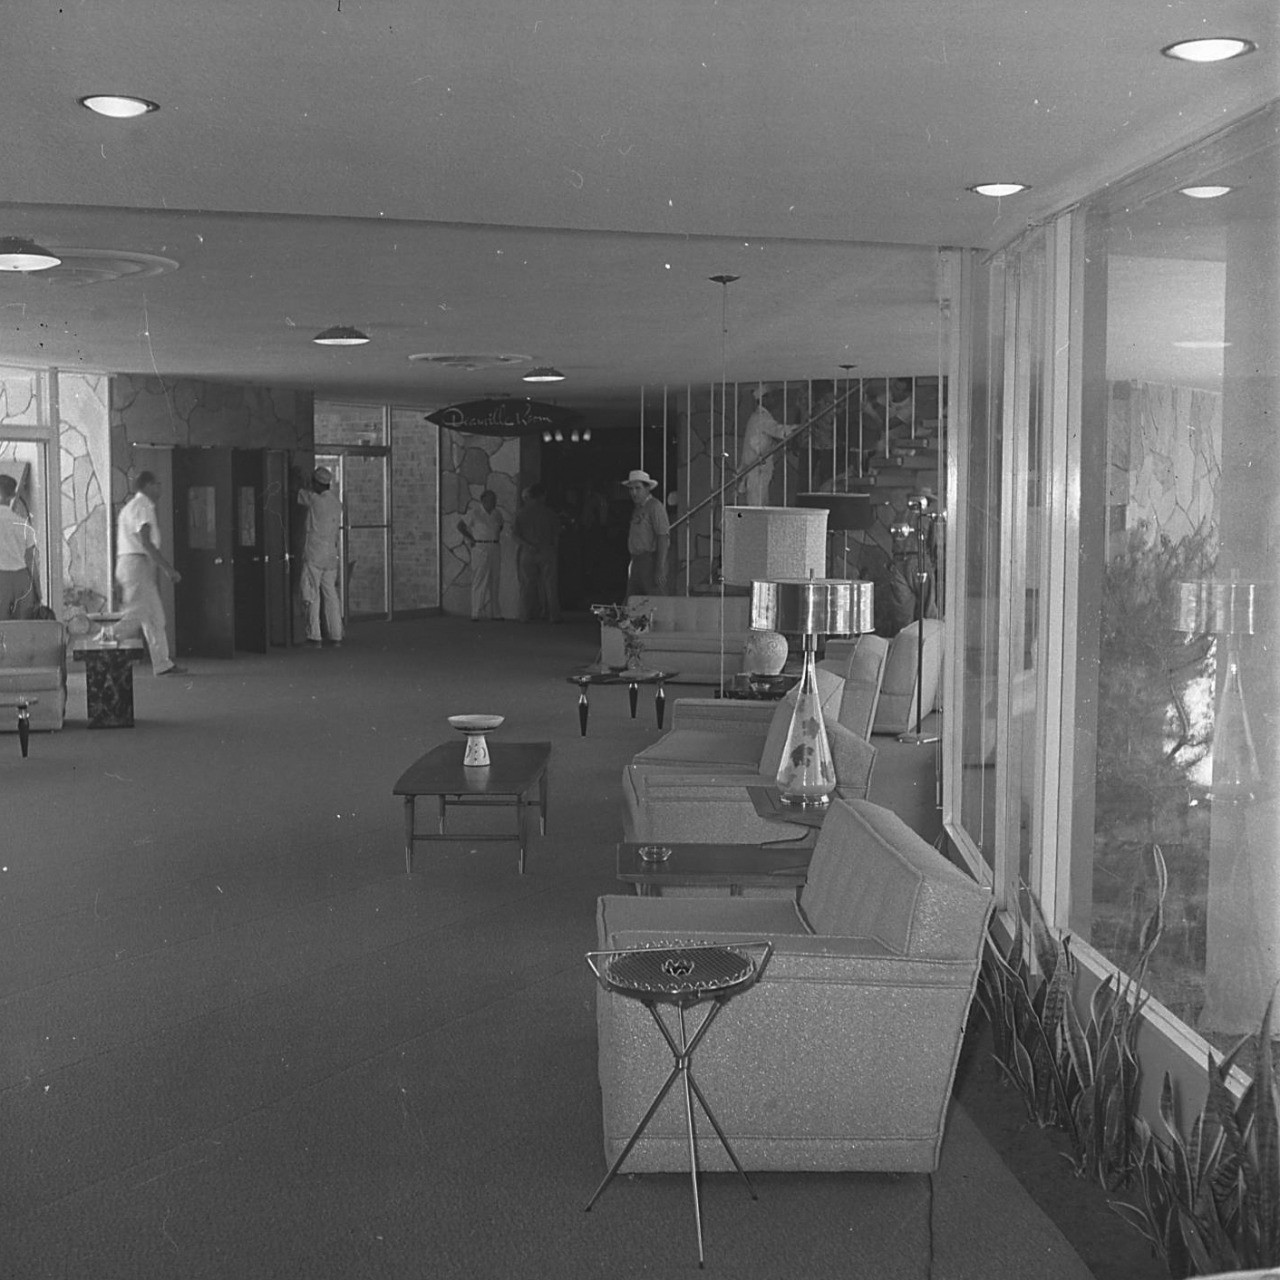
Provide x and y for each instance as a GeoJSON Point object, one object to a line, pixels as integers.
{"type": "Point", "coordinates": [481, 530]}
{"type": "Point", "coordinates": [320, 557]}
{"type": "Point", "coordinates": [17, 556]}
{"type": "Point", "coordinates": [138, 566]}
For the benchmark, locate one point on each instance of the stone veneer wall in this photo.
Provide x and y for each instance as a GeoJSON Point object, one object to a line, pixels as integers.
{"type": "Point", "coordinates": [469, 465]}
{"type": "Point", "coordinates": [415, 547]}
{"type": "Point", "coordinates": [85, 466]}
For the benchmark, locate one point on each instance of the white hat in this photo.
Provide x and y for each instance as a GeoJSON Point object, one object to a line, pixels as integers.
{"type": "Point", "coordinates": [322, 475]}
{"type": "Point", "coordinates": [641, 477]}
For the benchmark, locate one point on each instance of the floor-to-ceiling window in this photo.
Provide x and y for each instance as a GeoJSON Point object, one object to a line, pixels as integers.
{"type": "Point", "coordinates": [1116, 514]}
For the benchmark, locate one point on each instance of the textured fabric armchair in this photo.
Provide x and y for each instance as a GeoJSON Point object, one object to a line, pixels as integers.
{"type": "Point", "coordinates": [843, 1056]}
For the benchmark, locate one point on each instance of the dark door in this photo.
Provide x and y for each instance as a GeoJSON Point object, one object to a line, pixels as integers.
{"type": "Point", "coordinates": [204, 602]}
{"type": "Point", "coordinates": [249, 557]}
{"type": "Point", "coordinates": [275, 506]}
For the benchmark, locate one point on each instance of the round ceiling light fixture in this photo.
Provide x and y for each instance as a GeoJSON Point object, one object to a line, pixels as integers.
{"type": "Point", "coordinates": [998, 189]}
{"type": "Point", "coordinates": [118, 106]}
{"type": "Point", "coordinates": [340, 335]}
{"type": "Point", "coordinates": [1210, 49]}
{"type": "Point", "coordinates": [543, 373]}
{"type": "Point", "coordinates": [1204, 193]}
{"type": "Point", "coordinates": [20, 254]}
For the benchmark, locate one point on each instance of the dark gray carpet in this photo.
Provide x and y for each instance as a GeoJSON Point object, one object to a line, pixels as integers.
{"type": "Point", "coordinates": [236, 1040]}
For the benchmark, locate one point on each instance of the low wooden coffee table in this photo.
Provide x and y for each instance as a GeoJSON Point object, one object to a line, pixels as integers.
{"type": "Point", "coordinates": [735, 866]}
{"type": "Point", "coordinates": [513, 769]}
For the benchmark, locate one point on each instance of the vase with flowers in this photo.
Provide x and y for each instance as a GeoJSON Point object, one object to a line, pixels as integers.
{"type": "Point", "coordinates": [621, 626]}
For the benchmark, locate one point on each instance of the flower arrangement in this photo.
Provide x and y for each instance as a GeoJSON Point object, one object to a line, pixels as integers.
{"type": "Point", "coordinates": [631, 620]}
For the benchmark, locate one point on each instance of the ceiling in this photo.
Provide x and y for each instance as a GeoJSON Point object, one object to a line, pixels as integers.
{"type": "Point", "coordinates": [491, 179]}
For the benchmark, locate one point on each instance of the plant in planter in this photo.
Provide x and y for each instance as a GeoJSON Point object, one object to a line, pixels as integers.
{"type": "Point", "coordinates": [1079, 1077]}
{"type": "Point", "coordinates": [1212, 1203]}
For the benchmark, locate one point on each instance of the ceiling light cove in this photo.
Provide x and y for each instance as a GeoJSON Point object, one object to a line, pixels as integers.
{"type": "Point", "coordinates": [1205, 193]}
{"type": "Point", "coordinates": [998, 189]}
{"type": "Point", "coordinates": [544, 373]}
{"type": "Point", "coordinates": [1212, 49]}
{"type": "Point", "coordinates": [118, 106]}
{"type": "Point", "coordinates": [341, 335]}
{"type": "Point", "coordinates": [19, 254]}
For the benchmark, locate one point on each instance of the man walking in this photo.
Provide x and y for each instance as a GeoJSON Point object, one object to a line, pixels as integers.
{"type": "Point", "coordinates": [138, 566]}
{"type": "Point", "coordinates": [320, 557]}
{"type": "Point", "coordinates": [481, 530]}
{"type": "Point", "coordinates": [648, 538]}
{"type": "Point", "coordinates": [17, 556]}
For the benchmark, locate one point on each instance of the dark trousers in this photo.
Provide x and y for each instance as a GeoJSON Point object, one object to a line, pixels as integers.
{"type": "Point", "coordinates": [539, 584]}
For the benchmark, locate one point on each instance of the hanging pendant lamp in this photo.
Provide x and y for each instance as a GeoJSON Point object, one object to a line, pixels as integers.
{"type": "Point", "coordinates": [19, 254]}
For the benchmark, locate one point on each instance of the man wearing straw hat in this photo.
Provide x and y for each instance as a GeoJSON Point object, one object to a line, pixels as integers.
{"type": "Point", "coordinates": [648, 539]}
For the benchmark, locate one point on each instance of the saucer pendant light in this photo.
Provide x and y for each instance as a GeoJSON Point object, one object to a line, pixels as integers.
{"type": "Point", "coordinates": [19, 254]}
{"type": "Point", "coordinates": [340, 335]}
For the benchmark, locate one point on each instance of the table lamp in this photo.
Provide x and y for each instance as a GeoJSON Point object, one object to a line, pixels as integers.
{"type": "Point", "coordinates": [812, 607]}
{"type": "Point", "coordinates": [769, 544]}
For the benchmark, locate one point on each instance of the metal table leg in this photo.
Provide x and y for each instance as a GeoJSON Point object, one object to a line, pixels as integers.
{"type": "Point", "coordinates": [633, 690]}
{"type": "Point", "coordinates": [24, 726]}
{"type": "Point", "coordinates": [660, 702]}
{"type": "Point", "coordinates": [584, 707]}
{"type": "Point", "coordinates": [408, 834]}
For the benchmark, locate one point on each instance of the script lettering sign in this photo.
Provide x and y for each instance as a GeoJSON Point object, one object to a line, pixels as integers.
{"type": "Point", "coordinates": [503, 417]}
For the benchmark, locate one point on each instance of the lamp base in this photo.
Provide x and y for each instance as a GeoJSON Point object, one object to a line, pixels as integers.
{"type": "Point", "coordinates": [804, 801]}
{"type": "Point", "coordinates": [919, 739]}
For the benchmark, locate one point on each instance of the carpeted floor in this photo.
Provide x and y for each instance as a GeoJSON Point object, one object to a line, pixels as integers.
{"type": "Point", "coordinates": [236, 1040]}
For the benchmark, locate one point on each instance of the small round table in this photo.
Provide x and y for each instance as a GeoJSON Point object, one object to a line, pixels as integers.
{"type": "Point", "coordinates": [632, 677]}
{"type": "Point", "coordinates": [683, 975]}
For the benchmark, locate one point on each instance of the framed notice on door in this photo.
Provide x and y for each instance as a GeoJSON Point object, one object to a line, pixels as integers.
{"type": "Point", "coordinates": [202, 522]}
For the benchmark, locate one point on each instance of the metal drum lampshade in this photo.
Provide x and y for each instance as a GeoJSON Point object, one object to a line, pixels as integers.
{"type": "Point", "coordinates": [812, 607]}
{"type": "Point", "coordinates": [766, 543]}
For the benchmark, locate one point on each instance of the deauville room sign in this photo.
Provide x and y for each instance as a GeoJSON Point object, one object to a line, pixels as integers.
{"type": "Point", "coordinates": [503, 417]}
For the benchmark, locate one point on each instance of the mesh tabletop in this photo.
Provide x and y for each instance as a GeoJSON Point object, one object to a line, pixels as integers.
{"type": "Point", "coordinates": [677, 973]}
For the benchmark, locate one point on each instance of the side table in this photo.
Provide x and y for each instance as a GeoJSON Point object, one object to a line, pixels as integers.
{"type": "Point", "coordinates": [683, 975]}
{"type": "Point", "coordinates": [108, 671]}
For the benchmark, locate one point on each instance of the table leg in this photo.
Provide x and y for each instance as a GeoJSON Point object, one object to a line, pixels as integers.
{"type": "Point", "coordinates": [444, 805]}
{"type": "Point", "coordinates": [542, 799]}
{"type": "Point", "coordinates": [660, 703]}
{"type": "Point", "coordinates": [633, 690]}
{"type": "Point", "coordinates": [24, 727]}
{"type": "Point", "coordinates": [522, 827]}
{"type": "Point", "coordinates": [408, 834]}
{"type": "Point", "coordinates": [584, 707]}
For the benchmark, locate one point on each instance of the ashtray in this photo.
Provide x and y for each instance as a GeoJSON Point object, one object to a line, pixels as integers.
{"type": "Point", "coordinates": [654, 852]}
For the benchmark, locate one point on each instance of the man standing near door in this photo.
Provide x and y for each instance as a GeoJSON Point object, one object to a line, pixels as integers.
{"type": "Point", "coordinates": [17, 556]}
{"type": "Point", "coordinates": [481, 530]}
{"type": "Point", "coordinates": [320, 557]}
{"type": "Point", "coordinates": [138, 566]}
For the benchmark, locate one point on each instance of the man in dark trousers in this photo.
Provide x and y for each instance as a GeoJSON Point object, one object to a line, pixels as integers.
{"type": "Point", "coordinates": [320, 557]}
{"type": "Point", "coordinates": [537, 533]}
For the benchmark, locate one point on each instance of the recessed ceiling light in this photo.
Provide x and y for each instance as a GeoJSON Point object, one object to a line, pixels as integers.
{"type": "Point", "coordinates": [544, 373]}
{"type": "Point", "coordinates": [1213, 49]}
{"type": "Point", "coordinates": [1205, 193]}
{"type": "Point", "coordinates": [999, 188]}
{"type": "Point", "coordinates": [341, 335]}
{"type": "Point", "coordinates": [19, 254]}
{"type": "Point", "coordinates": [119, 106]}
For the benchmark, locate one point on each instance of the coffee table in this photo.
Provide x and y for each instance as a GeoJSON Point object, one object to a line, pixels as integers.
{"type": "Point", "coordinates": [734, 866]}
{"type": "Point", "coordinates": [513, 770]}
{"type": "Point", "coordinates": [632, 677]}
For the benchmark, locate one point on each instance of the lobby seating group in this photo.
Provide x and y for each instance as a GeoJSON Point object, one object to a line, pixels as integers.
{"type": "Point", "coordinates": [843, 1055]}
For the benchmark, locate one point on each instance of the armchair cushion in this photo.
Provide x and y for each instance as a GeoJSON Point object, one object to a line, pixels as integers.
{"type": "Point", "coordinates": [896, 712]}
{"type": "Point", "coordinates": [862, 667]}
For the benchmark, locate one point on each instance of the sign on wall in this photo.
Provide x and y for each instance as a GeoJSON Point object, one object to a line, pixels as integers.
{"type": "Point", "coordinates": [503, 417]}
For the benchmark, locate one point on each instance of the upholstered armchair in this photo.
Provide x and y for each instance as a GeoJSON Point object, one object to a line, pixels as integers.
{"type": "Point", "coordinates": [691, 785]}
{"type": "Point", "coordinates": [843, 1056]}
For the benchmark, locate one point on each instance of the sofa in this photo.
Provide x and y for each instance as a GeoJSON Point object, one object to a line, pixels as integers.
{"type": "Point", "coordinates": [896, 706]}
{"type": "Point", "coordinates": [685, 636]}
{"type": "Point", "coordinates": [843, 1055]}
{"type": "Point", "coordinates": [33, 664]}
{"type": "Point", "coordinates": [691, 785]}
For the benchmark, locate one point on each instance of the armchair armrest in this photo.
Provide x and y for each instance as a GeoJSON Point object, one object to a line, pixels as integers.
{"type": "Point", "coordinates": [854, 758]}
{"type": "Point", "coordinates": [722, 715]}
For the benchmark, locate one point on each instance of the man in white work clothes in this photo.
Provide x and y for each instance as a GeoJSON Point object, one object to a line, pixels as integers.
{"type": "Point", "coordinates": [138, 566]}
{"type": "Point", "coordinates": [481, 530]}
{"type": "Point", "coordinates": [320, 557]}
